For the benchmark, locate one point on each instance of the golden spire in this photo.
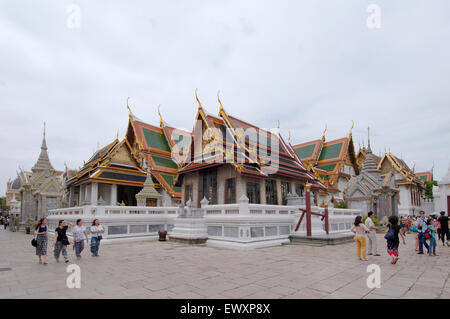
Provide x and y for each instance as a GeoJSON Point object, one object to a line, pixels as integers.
{"type": "Point", "coordinates": [278, 124]}
{"type": "Point", "coordinates": [220, 102]}
{"type": "Point", "coordinates": [196, 97]}
{"type": "Point", "coordinates": [160, 117]}
{"type": "Point", "coordinates": [324, 132]}
{"type": "Point", "coordinates": [117, 136]}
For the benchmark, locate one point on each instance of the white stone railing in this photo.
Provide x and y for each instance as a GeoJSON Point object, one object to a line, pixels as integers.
{"type": "Point", "coordinates": [240, 225]}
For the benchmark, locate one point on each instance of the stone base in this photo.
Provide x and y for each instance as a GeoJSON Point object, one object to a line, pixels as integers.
{"type": "Point", "coordinates": [322, 240]}
{"type": "Point", "coordinates": [190, 241]}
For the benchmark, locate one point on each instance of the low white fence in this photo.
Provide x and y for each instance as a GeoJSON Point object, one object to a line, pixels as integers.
{"type": "Point", "coordinates": [240, 226]}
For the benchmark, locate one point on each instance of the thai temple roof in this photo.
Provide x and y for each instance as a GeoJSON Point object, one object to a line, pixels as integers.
{"type": "Point", "coordinates": [425, 176]}
{"type": "Point", "coordinates": [390, 162]}
{"type": "Point", "coordinates": [326, 158]}
{"type": "Point", "coordinates": [246, 153]}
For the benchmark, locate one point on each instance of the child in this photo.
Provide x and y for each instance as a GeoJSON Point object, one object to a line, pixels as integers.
{"type": "Point", "coordinates": [392, 239]}
{"type": "Point", "coordinates": [433, 237]}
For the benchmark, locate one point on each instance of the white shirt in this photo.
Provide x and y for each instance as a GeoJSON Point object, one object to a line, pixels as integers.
{"type": "Point", "coordinates": [78, 232]}
{"type": "Point", "coordinates": [369, 223]}
{"type": "Point", "coordinates": [96, 229]}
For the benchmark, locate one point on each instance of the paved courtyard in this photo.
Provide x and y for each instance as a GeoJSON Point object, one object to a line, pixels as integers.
{"type": "Point", "coordinates": [153, 269]}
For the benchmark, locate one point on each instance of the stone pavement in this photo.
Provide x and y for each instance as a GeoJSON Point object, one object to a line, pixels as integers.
{"type": "Point", "coordinates": [152, 269]}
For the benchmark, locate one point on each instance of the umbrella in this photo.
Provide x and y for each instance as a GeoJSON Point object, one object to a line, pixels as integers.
{"type": "Point", "coordinates": [434, 214]}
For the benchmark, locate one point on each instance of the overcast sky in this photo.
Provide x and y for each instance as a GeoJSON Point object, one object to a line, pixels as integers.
{"type": "Point", "coordinates": [305, 63]}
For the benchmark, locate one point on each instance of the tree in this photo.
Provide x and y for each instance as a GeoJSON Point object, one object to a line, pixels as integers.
{"type": "Point", "coordinates": [4, 209]}
{"type": "Point", "coordinates": [429, 189]}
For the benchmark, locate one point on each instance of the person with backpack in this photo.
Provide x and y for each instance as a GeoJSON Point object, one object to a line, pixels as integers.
{"type": "Point", "coordinates": [360, 231]}
{"type": "Point", "coordinates": [421, 224]}
{"type": "Point", "coordinates": [392, 239]}
{"type": "Point", "coordinates": [61, 241]}
{"type": "Point", "coordinates": [431, 233]}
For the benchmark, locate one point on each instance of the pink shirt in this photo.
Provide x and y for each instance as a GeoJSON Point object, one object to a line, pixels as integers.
{"type": "Point", "coordinates": [360, 230]}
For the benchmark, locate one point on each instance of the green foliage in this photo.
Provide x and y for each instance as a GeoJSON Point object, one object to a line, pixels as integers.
{"type": "Point", "coordinates": [340, 204]}
{"type": "Point", "coordinates": [375, 221]}
{"type": "Point", "coordinates": [3, 207]}
{"type": "Point", "coordinates": [429, 189]}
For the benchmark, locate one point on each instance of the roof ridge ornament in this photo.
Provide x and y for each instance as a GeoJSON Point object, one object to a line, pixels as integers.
{"type": "Point", "coordinates": [220, 102]}
{"type": "Point", "coordinates": [160, 117]}
{"type": "Point", "coordinates": [324, 132]}
{"type": "Point", "coordinates": [128, 107]}
{"type": "Point", "coordinates": [196, 97]}
{"type": "Point", "coordinates": [351, 130]}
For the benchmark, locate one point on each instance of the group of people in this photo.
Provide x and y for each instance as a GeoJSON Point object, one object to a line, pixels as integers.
{"type": "Point", "coordinates": [425, 228]}
{"type": "Point", "coordinates": [61, 240]}
{"type": "Point", "coordinates": [4, 221]}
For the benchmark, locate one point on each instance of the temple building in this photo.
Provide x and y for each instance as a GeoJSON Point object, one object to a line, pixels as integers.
{"type": "Point", "coordinates": [40, 191]}
{"type": "Point", "coordinates": [226, 162]}
{"type": "Point", "coordinates": [332, 162]}
{"type": "Point", "coordinates": [442, 194]}
{"type": "Point", "coordinates": [115, 174]}
{"type": "Point", "coordinates": [425, 176]}
{"type": "Point", "coordinates": [13, 190]}
{"type": "Point", "coordinates": [370, 191]}
{"type": "Point", "coordinates": [411, 187]}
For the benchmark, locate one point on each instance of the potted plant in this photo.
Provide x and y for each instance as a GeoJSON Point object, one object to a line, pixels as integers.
{"type": "Point", "coordinates": [162, 235]}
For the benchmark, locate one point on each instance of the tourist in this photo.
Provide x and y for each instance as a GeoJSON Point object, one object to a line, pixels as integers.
{"type": "Point", "coordinates": [408, 224]}
{"type": "Point", "coordinates": [403, 224]}
{"type": "Point", "coordinates": [6, 223]}
{"type": "Point", "coordinates": [421, 224]}
{"type": "Point", "coordinates": [443, 221]}
{"type": "Point", "coordinates": [41, 239]}
{"type": "Point", "coordinates": [415, 232]}
{"type": "Point", "coordinates": [433, 237]}
{"type": "Point", "coordinates": [61, 241]}
{"type": "Point", "coordinates": [78, 231]}
{"type": "Point", "coordinates": [360, 230]}
{"type": "Point", "coordinates": [438, 227]}
{"type": "Point", "coordinates": [372, 236]}
{"type": "Point", "coordinates": [96, 236]}
{"type": "Point", "coordinates": [392, 232]}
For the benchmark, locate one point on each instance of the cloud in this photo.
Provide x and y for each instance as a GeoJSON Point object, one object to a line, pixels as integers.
{"type": "Point", "coordinates": [306, 64]}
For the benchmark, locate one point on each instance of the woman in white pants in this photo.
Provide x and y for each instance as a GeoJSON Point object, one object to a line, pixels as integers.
{"type": "Point", "coordinates": [372, 236]}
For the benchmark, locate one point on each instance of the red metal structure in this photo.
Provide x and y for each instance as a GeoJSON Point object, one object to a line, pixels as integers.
{"type": "Point", "coordinates": [308, 213]}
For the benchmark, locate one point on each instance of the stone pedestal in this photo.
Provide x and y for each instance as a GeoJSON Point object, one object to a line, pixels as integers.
{"type": "Point", "coordinates": [190, 225]}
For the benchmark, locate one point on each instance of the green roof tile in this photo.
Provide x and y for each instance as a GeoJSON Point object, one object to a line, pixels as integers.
{"type": "Point", "coordinates": [169, 180]}
{"type": "Point", "coordinates": [305, 151]}
{"type": "Point", "coordinates": [328, 167]}
{"type": "Point", "coordinates": [331, 151]}
{"type": "Point", "coordinates": [162, 161]}
{"type": "Point", "coordinates": [156, 140]}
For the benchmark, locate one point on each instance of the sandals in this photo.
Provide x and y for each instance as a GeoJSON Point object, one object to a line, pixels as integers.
{"type": "Point", "coordinates": [395, 260]}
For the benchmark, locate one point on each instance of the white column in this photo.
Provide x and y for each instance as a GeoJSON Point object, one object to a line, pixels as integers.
{"type": "Point", "coordinates": [94, 194]}
{"type": "Point", "coordinates": [113, 194]}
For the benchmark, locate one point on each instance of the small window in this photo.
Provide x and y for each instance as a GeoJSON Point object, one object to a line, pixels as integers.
{"type": "Point", "coordinates": [230, 191]}
{"type": "Point", "coordinates": [284, 192]}
{"type": "Point", "coordinates": [253, 193]}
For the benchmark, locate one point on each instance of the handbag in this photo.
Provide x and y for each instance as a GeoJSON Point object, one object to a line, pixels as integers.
{"type": "Point", "coordinates": [99, 237]}
{"type": "Point", "coordinates": [390, 235]}
{"type": "Point", "coordinates": [34, 241]}
{"type": "Point", "coordinates": [66, 241]}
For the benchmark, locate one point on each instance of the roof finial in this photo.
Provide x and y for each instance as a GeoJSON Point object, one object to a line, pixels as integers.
{"type": "Point", "coordinates": [220, 102]}
{"type": "Point", "coordinates": [117, 136]}
{"type": "Point", "coordinates": [278, 124]}
{"type": "Point", "coordinates": [196, 97]}
{"type": "Point", "coordinates": [128, 107]}
{"type": "Point", "coordinates": [368, 139]}
{"type": "Point", "coordinates": [324, 132]}
{"type": "Point", "coordinates": [44, 129]}
{"type": "Point", "coordinates": [351, 130]}
{"type": "Point", "coordinates": [160, 117]}
{"type": "Point", "coordinates": [289, 137]}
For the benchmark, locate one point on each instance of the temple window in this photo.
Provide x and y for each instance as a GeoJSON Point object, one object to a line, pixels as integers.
{"type": "Point", "coordinates": [208, 186]}
{"type": "Point", "coordinates": [284, 192]}
{"type": "Point", "coordinates": [188, 193]}
{"type": "Point", "coordinates": [299, 189]}
{"type": "Point", "coordinates": [271, 192]}
{"type": "Point", "coordinates": [253, 193]}
{"type": "Point", "coordinates": [230, 191]}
